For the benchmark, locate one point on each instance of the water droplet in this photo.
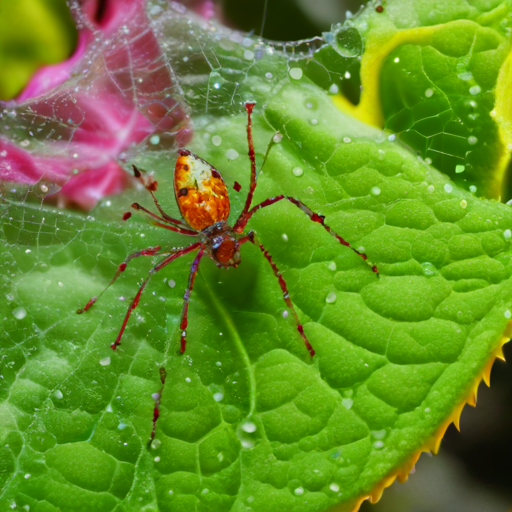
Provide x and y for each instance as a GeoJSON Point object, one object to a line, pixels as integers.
{"type": "Point", "coordinates": [347, 403]}
{"type": "Point", "coordinates": [428, 269]}
{"type": "Point", "coordinates": [297, 171]}
{"type": "Point", "coordinates": [460, 168]}
{"type": "Point", "coordinates": [378, 434]}
{"type": "Point", "coordinates": [463, 204]}
{"type": "Point", "coordinates": [296, 73]}
{"type": "Point", "coordinates": [285, 314]}
{"type": "Point", "coordinates": [448, 188]}
{"type": "Point", "coordinates": [269, 75]}
{"type": "Point", "coordinates": [154, 139]}
{"type": "Point", "coordinates": [347, 74]}
{"type": "Point", "coordinates": [44, 188]}
{"type": "Point", "coordinates": [334, 487]}
{"type": "Point", "coordinates": [121, 426]}
{"type": "Point", "coordinates": [331, 265]}
{"type": "Point", "coordinates": [58, 394]}
{"type": "Point", "coordinates": [188, 379]}
{"type": "Point", "coordinates": [331, 297]}
{"type": "Point", "coordinates": [347, 140]}
{"type": "Point", "coordinates": [218, 363]}
{"type": "Point", "coordinates": [19, 313]}
{"type": "Point", "coordinates": [429, 93]}
{"type": "Point", "coordinates": [507, 234]}
{"type": "Point", "coordinates": [171, 492]}
{"type": "Point", "coordinates": [105, 361]}
{"type": "Point", "coordinates": [349, 42]}
{"type": "Point", "coordinates": [392, 137]}
{"type": "Point", "coordinates": [171, 283]}
{"type": "Point", "coordinates": [277, 138]}
{"type": "Point", "coordinates": [216, 140]}
{"type": "Point", "coordinates": [27, 476]}
{"type": "Point", "coordinates": [475, 90]}
{"type": "Point", "coordinates": [397, 60]}
{"type": "Point", "coordinates": [472, 140]}
{"type": "Point", "coordinates": [249, 427]}
{"type": "Point", "coordinates": [3, 153]}
{"type": "Point", "coordinates": [378, 445]}
{"type": "Point", "coordinates": [216, 85]}
{"type": "Point", "coordinates": [284, 237]}
{"type": "Point", "coordinates": [472, 189]}
{"type": "Point", "coordinates": [156, 444]}
{"type": "Point", "coordinates": [248, 55]}
{"type": "Point", "coordinates": [314, 121]}
{"type": "Point", "coordinates": [466, 76]}
{"type": "Point", "coordinates": [157, 459]}
{"type": "Point", "coordinates": [155, 396]}
{"type": "Point", "coordinates": [218, 396]}
{"type": "Point", "coordinates": [232, 154]}
{"type": "Point", "coordinates": [299, 491]}
{"type": "Point", "coordinates": [507, 314]}
{"type": "Point", "coordinates": [24, 143]}
{"type": "Point", "coordinates": [334, 89]}
{"type": "Point", "coordinates": [375, 191]}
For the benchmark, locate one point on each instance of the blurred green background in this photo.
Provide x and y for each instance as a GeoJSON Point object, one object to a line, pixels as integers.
{"type": "Point", "coordinates": [473, 472]}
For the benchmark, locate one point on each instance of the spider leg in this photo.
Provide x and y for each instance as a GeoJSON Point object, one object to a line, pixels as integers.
{"type": "Point", "coordinates": [184, 312]}
{"type": "Point", "coordinates": [156, 268]}
{"type": "Point", "coordinates": [286, 296]}
{"type": "Point", "coordinates": [150, 251]}
{"type": "Point", "coordinates": [312, 215]}
{"type": "Point", "coordinates": [167, 224]}
{"type": "Point", "coordinates": [252, 186]}
{"type": "Point", "coordinates": [156, 410]}
{"type": "Point", "coordinates": [151, 186]}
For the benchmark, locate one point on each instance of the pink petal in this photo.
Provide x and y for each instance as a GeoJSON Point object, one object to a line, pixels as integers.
{"type": "Point", "coordinates": [86, 189]}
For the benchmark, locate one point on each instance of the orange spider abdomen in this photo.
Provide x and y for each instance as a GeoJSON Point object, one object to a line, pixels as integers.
{"type": "Point", "coordinates": [200, 191]}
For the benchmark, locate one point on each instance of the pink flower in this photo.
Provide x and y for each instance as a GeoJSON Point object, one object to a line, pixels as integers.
{"type": "Point", "coordinates": [82, 116]}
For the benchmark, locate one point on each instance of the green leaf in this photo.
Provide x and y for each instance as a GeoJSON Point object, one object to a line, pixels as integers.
{"type": "Point", "coordinates": [249, 421]}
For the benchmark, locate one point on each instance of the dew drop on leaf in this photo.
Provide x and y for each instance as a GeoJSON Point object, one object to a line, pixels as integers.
{"type": "Point", "coordinates": [331, 297]}
{"type": "Point", "coordinates": [19, 313]}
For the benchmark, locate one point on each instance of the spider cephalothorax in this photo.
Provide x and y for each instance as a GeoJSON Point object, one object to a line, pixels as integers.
{"type": "Point", "coordinates": [221, 244]}
{"type": "Point", "coordinates": [203, 200]}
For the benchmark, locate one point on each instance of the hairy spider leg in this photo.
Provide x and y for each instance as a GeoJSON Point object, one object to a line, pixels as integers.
{"type": "Point", "coordinates": [159, 220]}
{"type": "Point", "coordinates": [286, 296]}
{"type": "Point", "coordinates": [189, 232]}
{"type": "Point", "coordinates": [184, 312]}
{"type": "Point", "coordinates": [252, 186]}
{"type": "Point", "coordinates": [151, 187]}
{"type": "Point", "coordinates": [312, 215]}
{"type": "Point", "coordinates": [150, 251]}
{"type": "Point", "coordinates": [156, 410]}
{"type": "Point", "coordinates": [156, 268]}
{"type": "Point", "coordinates": [249, 107]}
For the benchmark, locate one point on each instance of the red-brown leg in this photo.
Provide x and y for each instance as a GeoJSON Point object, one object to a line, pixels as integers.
{"type": "Point", "coordinates": [150, 251]}
{"type": "Point", "coordinates": [184, 312]}
{"type": "Point", "coordinates": [286, 297]}
{"type": "Point", "coordinates": [156, 268]}
{"type": "Point", "coordinates": [151, 186]}
{"type": "Point", "coordinates": [312, 215]}
{"type": "Point", "coordinates": [156, 410]}
{"type": "Point", "coordinates": [252, 186]}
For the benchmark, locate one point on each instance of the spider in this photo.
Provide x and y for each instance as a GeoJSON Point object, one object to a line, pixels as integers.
{"type": "Point", "coordinates": [203, 202]}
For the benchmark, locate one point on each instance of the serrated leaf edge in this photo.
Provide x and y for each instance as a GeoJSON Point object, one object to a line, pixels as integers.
{"type": "Point", "coordinates": [433, 444]}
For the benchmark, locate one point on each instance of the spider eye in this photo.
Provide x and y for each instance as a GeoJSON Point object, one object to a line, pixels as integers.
{"type": "Point", "coordinates": [183, 191]}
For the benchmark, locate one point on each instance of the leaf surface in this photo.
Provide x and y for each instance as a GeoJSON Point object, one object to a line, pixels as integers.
{"type": "Point", "coordinates": [248, 420]}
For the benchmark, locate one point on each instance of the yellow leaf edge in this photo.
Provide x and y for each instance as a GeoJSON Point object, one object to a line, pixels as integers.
{"type": "Point", "coordinates": [380, 44]}
{"type": "Point", "coordinates": [434, 442]}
